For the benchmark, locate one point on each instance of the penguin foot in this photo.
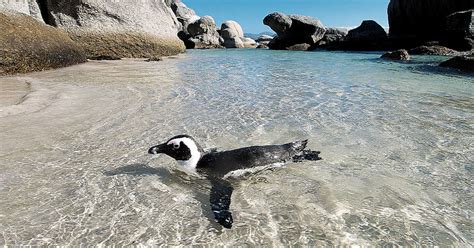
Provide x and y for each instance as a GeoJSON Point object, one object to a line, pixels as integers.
{"type": "Point", "coordinates": [224, 218]}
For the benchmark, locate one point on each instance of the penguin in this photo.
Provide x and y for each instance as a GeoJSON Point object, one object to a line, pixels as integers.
{"type": "Point", "coordinates": [216, 165]}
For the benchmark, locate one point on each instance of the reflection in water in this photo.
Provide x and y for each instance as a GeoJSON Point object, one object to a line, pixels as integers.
{"type": "Point", "coordinates": [137, 170]}
{"type": "Point", "coordinates": [395, 138]}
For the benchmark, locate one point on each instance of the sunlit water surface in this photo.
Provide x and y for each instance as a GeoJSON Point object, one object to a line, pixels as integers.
{"type": "Point", "coordinates": [396, 139]}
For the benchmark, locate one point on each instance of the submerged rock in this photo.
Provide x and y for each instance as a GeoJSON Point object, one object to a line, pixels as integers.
{"type": "Point", "coordinates": [262, 46]}
{"type": "Point", "coordinates": [27, 44]}
{"type": "Point", "coordinates": [401, 54]}
{"type": "Point", "coordinates": [154, 59]}
{"type": "Point", "coordinates": [465, 63]}
{"type": "Point", "coordinates": [128, 29]}
{"type": "Point", "coordinates": [432, 50]}
{"type": "Point", "coordinates": [299, 47]}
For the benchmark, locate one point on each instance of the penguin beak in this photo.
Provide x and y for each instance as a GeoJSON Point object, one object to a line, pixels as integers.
{"type": "Point", "coordinates": [157, 149]}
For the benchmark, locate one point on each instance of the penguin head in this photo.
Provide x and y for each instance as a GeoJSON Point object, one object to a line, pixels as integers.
{"type": "Point", "coordinates": [183, 148]}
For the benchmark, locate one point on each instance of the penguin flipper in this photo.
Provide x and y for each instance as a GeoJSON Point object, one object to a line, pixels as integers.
{"type": "Point", "coordinates": [307, 155]}
{"type": "Point", "coordinates": [221, 192]}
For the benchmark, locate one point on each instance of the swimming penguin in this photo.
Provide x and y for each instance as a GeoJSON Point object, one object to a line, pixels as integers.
{"type": "Point", "coordinates": [215, 165]}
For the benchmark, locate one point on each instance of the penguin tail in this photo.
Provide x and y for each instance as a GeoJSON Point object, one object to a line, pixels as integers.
{"type": "Point", "coordinates": [299, 146]}
{"type": "Point", "coordinates": [302, 154]}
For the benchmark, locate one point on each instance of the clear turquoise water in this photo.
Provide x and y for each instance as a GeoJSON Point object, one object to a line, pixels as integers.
{"type": "Point", "coordinates": [396, 139]}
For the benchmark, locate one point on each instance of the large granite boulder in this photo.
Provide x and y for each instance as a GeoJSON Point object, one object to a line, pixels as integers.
{"type": "Point", "coordinates": [294, 30]}
{"type": "Point", "coordinates": [310, 29]}
{"type": "Point", "coordinates": [400, 54]}
{"type": "Point", "coordinates": [125, 28]}
{"type": "Point", "coordinates": [459, 30]}
{"type": "Point", "coordinates": [368, 36]}
{"type": "Point", "coordinates": [249, 42]}
{"type": "Point", "coordinates": [333, 36]}
{"type": "Point", "coordinates": [184, 14]}
{"type": "Point", "coordinates": [233, 25]}
{"type": "Point", "coordinates": [204, 25]}
{"type": "Point", "coordinates": [27, 44]}
{"type": "Point", "coordinates": [412, 22]}
{"type": "Point", "coordinates": [203, 34]}
{"type": "Point", "coordinates": [369, 31]}
{"type": "Point", "coordinates": [233, 36]}
{"type": "Point", "coordinates": [278, 22]}
{"type": "Point", "coordinates": [465, 63]}
{"type": "Point", "coordinates": [233, 42]}
{"type": "Point", "coordinates": [29, 7]}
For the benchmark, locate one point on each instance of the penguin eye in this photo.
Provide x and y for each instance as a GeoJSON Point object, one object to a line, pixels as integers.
{"type": "Point", "coordinates": [176, 146]}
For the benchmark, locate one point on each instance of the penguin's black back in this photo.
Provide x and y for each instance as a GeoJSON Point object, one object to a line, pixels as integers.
{"type": "Point", "coordinates": [221, 163]}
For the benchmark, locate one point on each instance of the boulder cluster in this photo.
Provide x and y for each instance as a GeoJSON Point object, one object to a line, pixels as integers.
{"type": "Point", "coordinates": [38, 35]}
{"type": "Point", "coordinates": [297, 32]}
{"type": "Point", "coordinates": [202, 32]}
{"type": "Point", "coordinates": [447, 30]}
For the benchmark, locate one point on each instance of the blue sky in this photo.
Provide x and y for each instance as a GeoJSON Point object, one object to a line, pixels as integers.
{"type": "Point", "coordinates": [333, 13]}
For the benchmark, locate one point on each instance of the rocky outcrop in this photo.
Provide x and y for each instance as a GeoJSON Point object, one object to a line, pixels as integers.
{"type": "Point", "coordinates": [264, 39]}
{"type": "Point", "coordinates": [333, 36]}
{"type": "Point", "coordinates": [432, 50]}
{"type": "Point", "coordinates": [368, 36]}
{"type": "Point", "coordinates": [278, 22]}
{"type": "Point", "coordinates": [413, 22]}
{"type": "Point", "coordinates": [118, 29]}
{"type": "Point", "coordinates": [459, 30]}
{"type": "Point", "coordinates": [249, 42]}
{"type": "Point", "coordinates": [233, 36]}
{"type": "Point", "coordinates": [401, 54]}
{"type": "Point", "coordinates": [294, 30]}
{"type": "Point", "coordinates": [299, 47]}
{"type": "Point", "coordinates": [184, 14]}
{"type": "Point", "coordinates": [310, 29]}
{"type": "Point", "coordinates": [27, 44]}
{"type": "Point", "coordinates": [465, 63]}
{"type": "Point", "coordinates": [203, 34]}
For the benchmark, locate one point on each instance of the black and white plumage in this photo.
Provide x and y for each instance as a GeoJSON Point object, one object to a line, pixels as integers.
{"type": "Point", "coordinates": [216, 165]}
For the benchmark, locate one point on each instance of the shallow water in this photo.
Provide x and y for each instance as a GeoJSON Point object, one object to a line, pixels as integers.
{"type": "Point", "coordinates": [396, 139]}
